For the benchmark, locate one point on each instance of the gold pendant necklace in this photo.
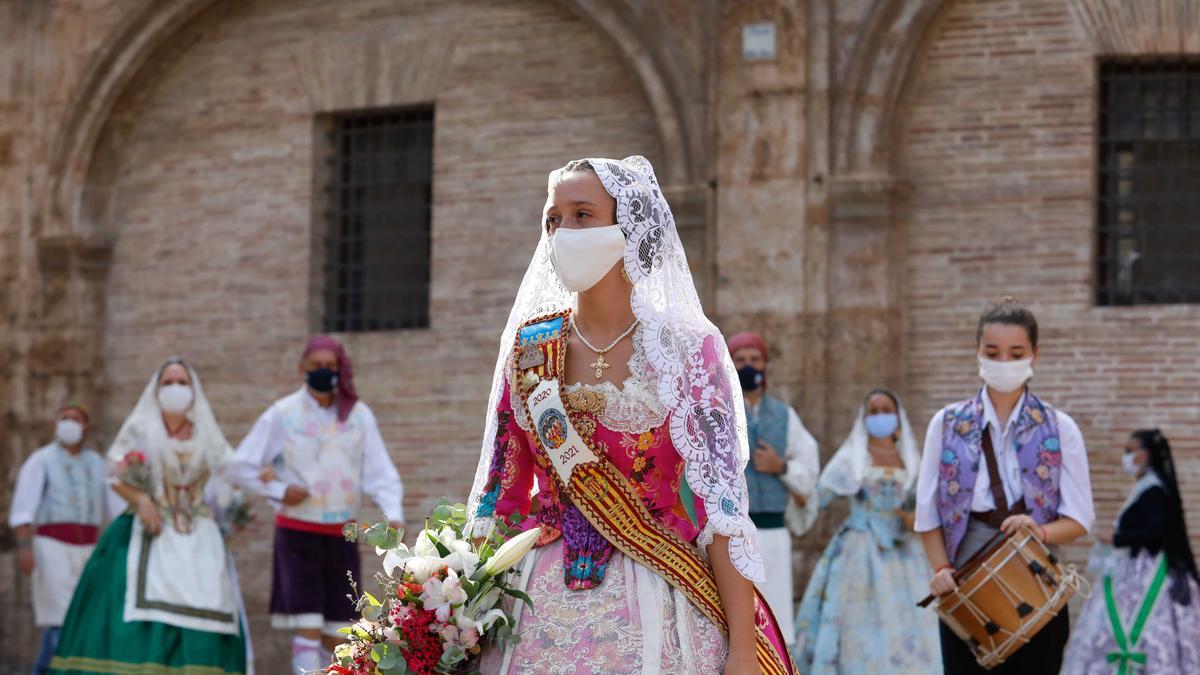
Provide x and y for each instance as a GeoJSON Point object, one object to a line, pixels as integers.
{"type": "Point", "coordinates": [600, 365]}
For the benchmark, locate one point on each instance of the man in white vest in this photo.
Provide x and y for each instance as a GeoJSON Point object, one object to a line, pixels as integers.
{"type": "Point", "coordinates": [314, 453]}
{"type": "Point", "coordinates": [58, 505]}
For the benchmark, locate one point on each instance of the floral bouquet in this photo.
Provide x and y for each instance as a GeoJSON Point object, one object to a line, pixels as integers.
{"type": "Point", "coordinates": [133, 471]}
{"type": "Point", "coordinates": [441, 597]}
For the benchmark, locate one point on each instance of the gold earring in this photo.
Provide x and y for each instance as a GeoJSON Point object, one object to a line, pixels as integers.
{"type": "Point", "coordinates": [625, 275]}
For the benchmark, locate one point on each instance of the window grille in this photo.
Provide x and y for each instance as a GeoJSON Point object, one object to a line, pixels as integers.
{"type": "Point", "coordinates": [1148, 210]}
{"type": "Point", "coordinates": [377, 197]}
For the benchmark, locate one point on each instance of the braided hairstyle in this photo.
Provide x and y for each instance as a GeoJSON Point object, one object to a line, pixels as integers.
{"type": "Point", "coordinates": [1178, 549]}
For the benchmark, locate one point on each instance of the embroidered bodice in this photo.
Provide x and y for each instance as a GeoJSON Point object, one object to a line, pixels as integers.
{"type": "Point", "coordinates": [873, 508]}
{"type": "Point", "coordinates": [185, 475]}
{"type": "Point", "coordinates": [631, 428]}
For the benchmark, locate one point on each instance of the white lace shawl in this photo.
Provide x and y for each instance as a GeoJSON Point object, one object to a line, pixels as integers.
{"type": "Point", "coordinates": [844, 474]}
{"type": "Point", "coordinates": [708, 421]}
{"type": "Point", "coordinates": [144, 432]}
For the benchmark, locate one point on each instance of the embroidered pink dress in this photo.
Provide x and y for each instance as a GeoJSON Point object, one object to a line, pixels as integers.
{"type": "Point", "coordinates": [595, 610]}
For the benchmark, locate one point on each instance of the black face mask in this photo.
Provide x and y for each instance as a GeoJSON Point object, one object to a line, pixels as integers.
{"type": "Point", "coordinates": [750, 377]}
{"type": "Point", "coordinates": [321, 380]}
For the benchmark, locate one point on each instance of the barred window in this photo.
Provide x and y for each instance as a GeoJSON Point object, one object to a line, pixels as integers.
{"type": "Point", "coordinates": [1148, 215]}
{"type": "Point", "coordinates": [377, 199]}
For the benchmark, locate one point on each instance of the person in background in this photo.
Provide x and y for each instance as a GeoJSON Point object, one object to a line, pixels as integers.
{"type": "Point", "coordinates": [1144, 615]}
{"type": "Point", "coordinates": [159, 593]}
{"type": "Point", "coordinates": [58, 506]}
{"type": "Point", "coordinates": [784, 465]}
{"type": "Point", "coordinates": [859, 613]}
{"type": "Point", "coordinates": [313, 453]}
{"type": "Point", "coordinates": [1002, 460]}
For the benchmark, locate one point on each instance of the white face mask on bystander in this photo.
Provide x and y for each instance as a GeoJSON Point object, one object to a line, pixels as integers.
{"type": "Point", "coordinates": [581, 257]}
{"type": "Point", "coordinates": [175, 398]}
{"type": "Point", "coordinates": [68, 432]}
{"type": "Point", "coordinates": [1005, 376]}
{"type": "Point", "coordinates": [1130, 464]}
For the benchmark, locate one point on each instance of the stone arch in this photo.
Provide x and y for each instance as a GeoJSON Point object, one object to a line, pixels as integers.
{"type": "Point", "coordinates": [874, 81]}
{"type": "Point", "coordinates": [139, 36]}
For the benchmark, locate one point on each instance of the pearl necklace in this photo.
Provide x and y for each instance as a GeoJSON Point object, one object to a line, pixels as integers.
{"type": "Point", "coordinates": [600, 364]}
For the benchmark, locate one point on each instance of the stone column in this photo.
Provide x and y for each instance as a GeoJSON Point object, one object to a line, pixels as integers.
{"type": "Point", "coordinates": [866, 273]}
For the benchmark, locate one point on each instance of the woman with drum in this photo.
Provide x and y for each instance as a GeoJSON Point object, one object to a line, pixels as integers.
{"type": "Point", "coordinates": [980, 476]}
{"type": "Point", "coordinates": [1144, 616]}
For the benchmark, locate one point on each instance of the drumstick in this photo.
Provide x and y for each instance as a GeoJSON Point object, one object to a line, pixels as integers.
{"type": "Point", "coordinates": [974, 562]}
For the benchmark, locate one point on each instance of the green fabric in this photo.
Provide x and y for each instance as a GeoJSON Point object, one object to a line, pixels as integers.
{"type": "Point", "coordinates": [689, 501]}
{"type": "Point", "coordinates": [95, 638]}
{"type": "Point", "coordinates": [1125, 654]}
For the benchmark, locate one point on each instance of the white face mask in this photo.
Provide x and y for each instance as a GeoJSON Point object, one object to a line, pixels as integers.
{"type": "Point", "coordinates": [175, 398]}
{"type": "Point", "coordinates": [1005, 376]}
{"type": "Point", "coordinates": [68, 432]}
{"type": "Point", "coordinates": [1130, 464]}
{"type": "Point", "coordinates": [581, 257]}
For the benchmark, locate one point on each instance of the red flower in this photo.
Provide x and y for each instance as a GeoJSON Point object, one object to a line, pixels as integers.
{"type": "Point", "coordinates": [133, 456]}
{"type": "Point", "coordinates": [424, 648]}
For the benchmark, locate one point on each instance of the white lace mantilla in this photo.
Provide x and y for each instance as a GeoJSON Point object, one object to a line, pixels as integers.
{"type": "Point", "coordinates": [693, 374]}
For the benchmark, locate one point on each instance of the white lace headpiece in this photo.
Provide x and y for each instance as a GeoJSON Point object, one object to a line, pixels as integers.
{"type": "Point", "coordinates": [144, 431]}
{"type": "Point", "coordinates": [708, 420]}
{"type": "Point", "coordinates": [843, 475]}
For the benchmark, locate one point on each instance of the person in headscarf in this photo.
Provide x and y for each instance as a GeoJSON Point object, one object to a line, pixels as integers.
{"type": "Point", "coordinates": [1144, 614]}
{"type": "Point", "coordinates": [859, 613]}
{"type": "Point", "coordinates": [781, 474]}
{"type": "Point", "coordinates": [58, 506]}
{"type": "Point", "coordinates": [313, 454]}
{"type": "Point", "coordinates": [615, 396]}
{"type": "Point", "coordinates": [159, 591]}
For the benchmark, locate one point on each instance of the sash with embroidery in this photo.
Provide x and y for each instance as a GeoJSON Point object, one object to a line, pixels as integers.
{"type": "Point", "coordinates": [606, 498]}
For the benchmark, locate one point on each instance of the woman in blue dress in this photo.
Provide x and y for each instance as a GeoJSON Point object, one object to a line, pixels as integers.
{"type": "Point", "coordinates": [859, 613]}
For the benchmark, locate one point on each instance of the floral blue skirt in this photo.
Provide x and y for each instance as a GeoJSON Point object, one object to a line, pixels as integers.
{"type": "Point", "coordinates": [859, 613]}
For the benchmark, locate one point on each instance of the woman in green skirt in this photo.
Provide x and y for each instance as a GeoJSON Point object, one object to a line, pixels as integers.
{"type": "Point", "coordinates": [158, 595]}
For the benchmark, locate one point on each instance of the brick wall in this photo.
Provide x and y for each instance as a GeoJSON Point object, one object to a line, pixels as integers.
{"type": "Point", "coordinates": [204, 177]}
{"type": "Point", "coordinates": [999, 149]}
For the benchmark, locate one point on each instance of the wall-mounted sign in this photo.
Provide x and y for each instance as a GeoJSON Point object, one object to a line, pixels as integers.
{"type": "Point", "coordinates": [758, 41]}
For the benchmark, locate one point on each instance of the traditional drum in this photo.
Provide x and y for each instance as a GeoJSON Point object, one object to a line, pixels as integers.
{"type": "Point", "coordinates": [1006, 593]}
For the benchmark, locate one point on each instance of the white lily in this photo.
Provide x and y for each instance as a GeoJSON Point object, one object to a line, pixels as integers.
{"type": "Point", "coordinates": [442, 595]}
{"type": "Point", "coordinates": [486, 601]}
{"type": "Point", "coordinates": [424, 545]}
{"type": "Point", "coordinates": [462, 558]}
{"type": "Point", "coordinates": [394, 558]}
{"type": "Point", "coordinates": [447, 536]}
{"type": "Point", "coordinates": [421, 567]}
{"type": "Point", "coordinates": [512, 551]}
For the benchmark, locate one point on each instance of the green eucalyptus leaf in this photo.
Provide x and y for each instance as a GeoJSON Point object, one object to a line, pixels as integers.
{"type": "Point", "coordinates": [520, 596]}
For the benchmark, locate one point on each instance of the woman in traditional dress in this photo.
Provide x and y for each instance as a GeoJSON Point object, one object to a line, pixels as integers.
{"type": "Point", "coordinates": [615, 396]}
{"type": "Point", "coordinates": [158, 594]}
{"type": "Point", "coordinates": [1144, 615]}
{"type": "Point", "coordinates": [859, 613]}
{"type": "Point", "coordinates": [1003, 460]}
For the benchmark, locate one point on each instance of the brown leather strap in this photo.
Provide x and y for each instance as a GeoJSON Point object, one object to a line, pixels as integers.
{"type": "Point", "coordinates": [1002, 511]}
{"type": "Point", "coordinates": [997, 481]}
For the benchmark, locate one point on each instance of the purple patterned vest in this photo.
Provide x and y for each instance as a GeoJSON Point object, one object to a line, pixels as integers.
{"type": "Point", "coordinates": [1038, 454]}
